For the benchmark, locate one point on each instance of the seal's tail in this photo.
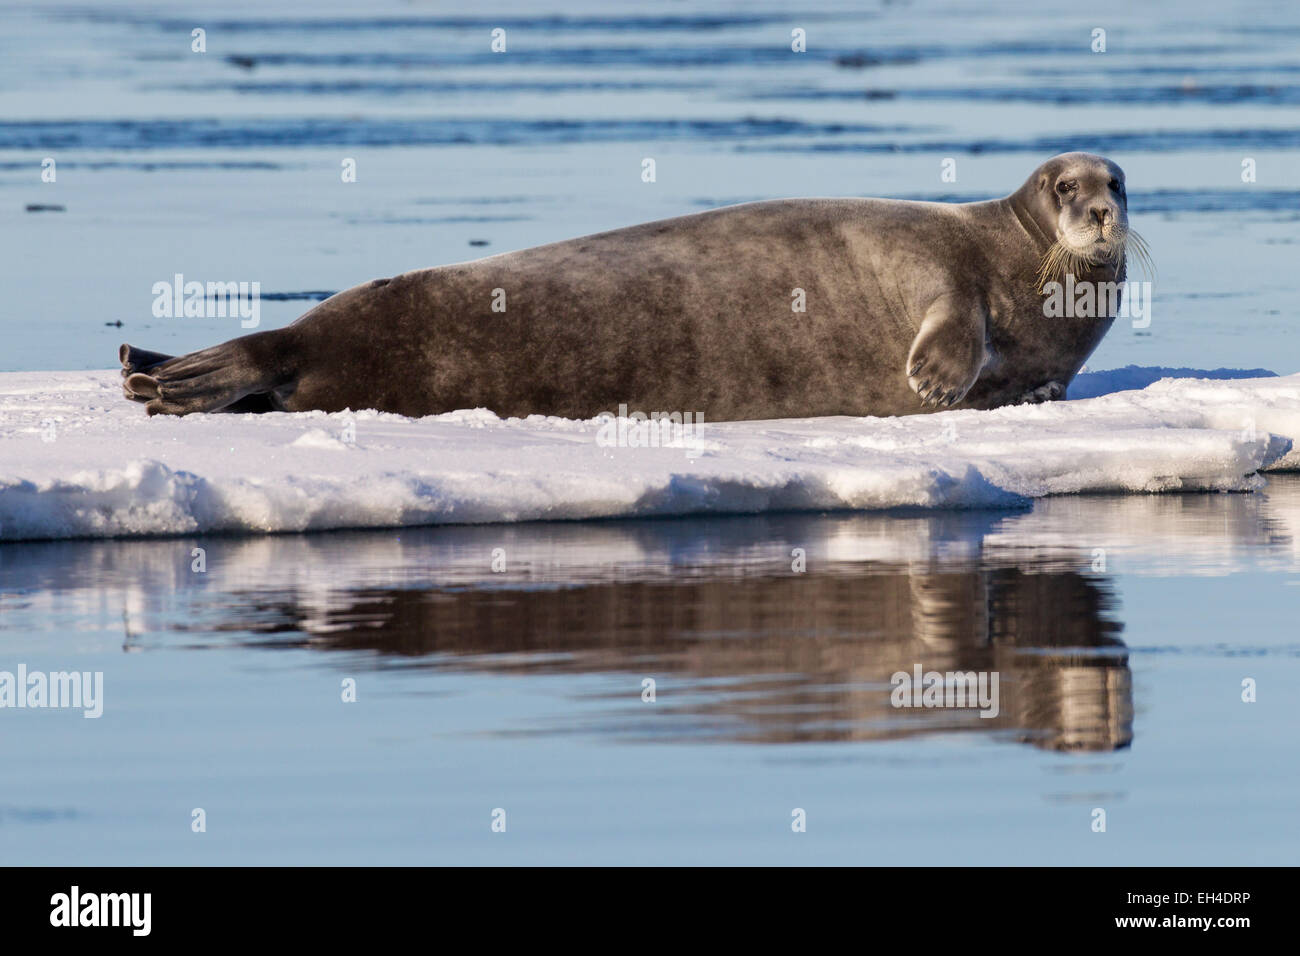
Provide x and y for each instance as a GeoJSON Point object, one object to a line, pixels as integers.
{"type": "Point", "coordinates": [217, 379]}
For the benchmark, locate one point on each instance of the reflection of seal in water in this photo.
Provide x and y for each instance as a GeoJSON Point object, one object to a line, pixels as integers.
{"type": "Point", "coordinates": [910, 306]}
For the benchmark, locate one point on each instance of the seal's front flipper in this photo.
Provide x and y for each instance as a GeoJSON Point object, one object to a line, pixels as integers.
{"type": "Point", "coordinates": [948, 352]}
{"type": "Point", "coordinates": [226, 377]}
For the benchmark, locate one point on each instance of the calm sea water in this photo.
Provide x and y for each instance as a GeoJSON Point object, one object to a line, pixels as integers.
{"type": "Point", "coordinates": [226, 165]}
{"type": "Point", "coordinates": [1122, 628]}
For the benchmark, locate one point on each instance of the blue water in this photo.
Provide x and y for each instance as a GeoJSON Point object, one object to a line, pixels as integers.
{"type": "Point", "coordinates": [225, 165]}
{"type": "Point", "coordinates": [522, 690]}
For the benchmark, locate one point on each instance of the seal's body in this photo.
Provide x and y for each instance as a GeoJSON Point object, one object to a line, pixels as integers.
{"type": "Point", "coordinates": [908, 307]}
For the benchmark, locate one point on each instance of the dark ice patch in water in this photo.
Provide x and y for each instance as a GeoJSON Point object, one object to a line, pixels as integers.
{"type": "Point", "coordinates": [474, 200]}
{"type": "Point", "coordinates": [1197, 70]}
{"type": "Point", "coordinates": [1271, 28]}
{"type": "Point", "coordinates": [1244, 199]}
{"type": "Point", "coordinates": [1247, 93]}
{"type": "Point", "coordinates": [1277, 95]}
{"type": "Point", "coordinates": [23, 815]}
{"type": "Point", "coordinates": [429, 220]}
{"type": "Point", "coordinates": [125, 134]}
{"type": "Point", "coordinates": [540, 24]}
{"type": "Point", "coordinates": [678, 55]}
{"type": "Point", "coordinates": [400, 87]}
{"type": "Point", "coordinates": [943, 197]}
{"type": "Point", "coordinates": [638, 56]}
{"type": "Point", "coordinates": [1150, 141]}
{"type": "Point", "coordinates": [148, 166]}
{"type": "Point", "coordinates": [312, 296]}
{"type": "Point", "coordinates": [708, 203]}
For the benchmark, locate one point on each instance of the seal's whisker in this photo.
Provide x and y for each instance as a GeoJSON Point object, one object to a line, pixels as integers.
{"type": "Point", "coordinates": [1049, 269]}
{"type": "Point", "coordinates": [1060, 260]}
{"type": "Point", "coordinates": [1141, 253]}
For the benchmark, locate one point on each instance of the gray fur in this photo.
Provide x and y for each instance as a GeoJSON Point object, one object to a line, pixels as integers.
{"type": "Point", "coordinates": [911, 307]}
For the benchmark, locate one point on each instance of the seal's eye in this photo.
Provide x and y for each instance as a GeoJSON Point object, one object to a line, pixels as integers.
{"type": "Point", "coordinates": [1065, 188]}
{"type": "Point", "coordinates": [1117, 186]}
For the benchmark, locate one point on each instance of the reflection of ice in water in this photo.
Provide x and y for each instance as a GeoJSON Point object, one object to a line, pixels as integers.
{"type": "Point", "coordinates": [1153, 535]}
{"type": "Point", "coordinates": [1159, 535]}
{"type": "Point", "coordinates": [756, 650]}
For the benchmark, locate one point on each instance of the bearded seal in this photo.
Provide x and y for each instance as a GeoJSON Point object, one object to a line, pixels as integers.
{"type": "Point", "coordinates": [908, 307]}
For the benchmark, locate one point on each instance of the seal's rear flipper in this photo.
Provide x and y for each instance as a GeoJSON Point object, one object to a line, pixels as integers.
{"type": "Point", "coordinates": [222, 378]}
{"type": "Point", "coordinates": [138, 360]}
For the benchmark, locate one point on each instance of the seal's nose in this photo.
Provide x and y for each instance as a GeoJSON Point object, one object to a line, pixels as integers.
{"type": "Point", "coordinates": [1100, 214]}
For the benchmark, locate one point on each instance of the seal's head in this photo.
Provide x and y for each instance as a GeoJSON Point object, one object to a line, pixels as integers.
{"type": "Point", "coordinates": [1086, 193]}
{"type": "Point", "coordinates": [1080, 202]}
